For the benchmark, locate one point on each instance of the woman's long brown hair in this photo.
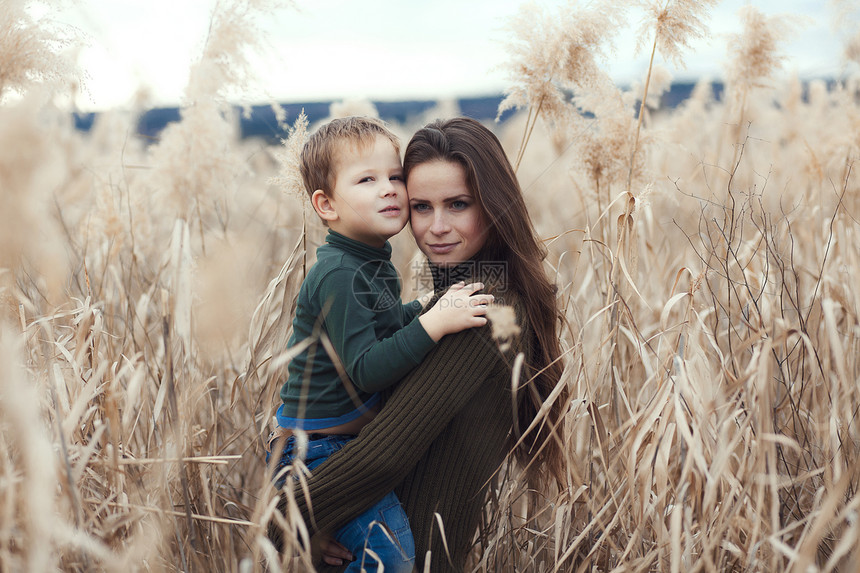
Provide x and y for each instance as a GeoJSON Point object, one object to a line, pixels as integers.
{"type": "Point", "coordinates": [512, 240]}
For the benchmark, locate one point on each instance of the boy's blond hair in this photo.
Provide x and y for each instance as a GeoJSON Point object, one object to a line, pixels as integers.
{"type": "Point", "coordinates": [322, 150]}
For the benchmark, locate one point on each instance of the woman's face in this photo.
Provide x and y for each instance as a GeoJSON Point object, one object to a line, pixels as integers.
{"type": "Point", "coordinates": [445, 217]}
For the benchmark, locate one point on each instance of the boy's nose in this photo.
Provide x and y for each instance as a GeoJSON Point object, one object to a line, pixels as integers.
{"type": "Point", "coordinates": [387, 188]}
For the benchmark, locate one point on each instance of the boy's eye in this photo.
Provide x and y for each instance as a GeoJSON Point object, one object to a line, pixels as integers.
{"type": "Point", "coordinates": [365, 179]}
{"type": "Point", "coordinates": [396, 178]}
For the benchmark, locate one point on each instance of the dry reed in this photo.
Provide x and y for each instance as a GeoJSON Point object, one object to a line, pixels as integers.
{"type": "Point", "coordinates": [705, 265]}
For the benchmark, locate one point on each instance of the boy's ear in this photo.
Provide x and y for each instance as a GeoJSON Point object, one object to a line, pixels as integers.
{"type": "Point", "coordinates": [323, 206]}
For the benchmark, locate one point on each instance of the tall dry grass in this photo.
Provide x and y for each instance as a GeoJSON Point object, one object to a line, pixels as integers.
{"type": "Point", "coordinates": [706, 259]}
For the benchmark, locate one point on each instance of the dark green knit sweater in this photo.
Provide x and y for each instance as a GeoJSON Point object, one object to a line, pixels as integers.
{"type": "Point", "coordinates": [437, 442]}
{"type": "Point", "coordinates": [377, 338]}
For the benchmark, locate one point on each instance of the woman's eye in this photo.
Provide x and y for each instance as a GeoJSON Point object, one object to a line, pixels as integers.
{"type": "Point", "coordinates": [459, 205]}
{"type": "Point", "coordinates": [420, 207]}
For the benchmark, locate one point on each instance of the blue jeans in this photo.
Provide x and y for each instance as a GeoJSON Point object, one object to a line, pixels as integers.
{"type": "Point", "coordinates": [384, 528]}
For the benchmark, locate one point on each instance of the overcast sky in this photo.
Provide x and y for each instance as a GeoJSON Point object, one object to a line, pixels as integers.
{"type": "Point", "coordinates": [380, 49]}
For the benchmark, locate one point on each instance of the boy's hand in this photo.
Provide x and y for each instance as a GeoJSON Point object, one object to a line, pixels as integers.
{"type": "Point", "coordinates": [458, 309]}
{"type": "Point", "coordinates": [330, 551]}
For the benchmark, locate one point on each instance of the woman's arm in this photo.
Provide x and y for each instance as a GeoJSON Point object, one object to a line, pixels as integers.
{"type": "Point", "coordinates": [392, 444]}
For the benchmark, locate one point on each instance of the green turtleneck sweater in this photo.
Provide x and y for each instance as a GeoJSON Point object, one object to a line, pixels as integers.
{"type": "Point", "coordinates": [352, 295]}
{"type": "Point", "coordinates": [437, 442]}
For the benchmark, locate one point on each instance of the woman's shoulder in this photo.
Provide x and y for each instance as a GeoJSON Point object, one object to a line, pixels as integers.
{"type": "Point", "coordinates": [497, 283]}
{"type": "Point", "coordinates": [505, 335]}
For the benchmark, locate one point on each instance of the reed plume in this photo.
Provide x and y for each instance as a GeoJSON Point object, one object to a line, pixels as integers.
{"type": "Point", "coordinates": [846, 14]}
{"type": "Point", "coordinates": [289, 178]}
{"type": "Point", "coordinates": [554, 53]}
{"type": "Point", "coordinates": [754, 52]}
{"type": "Point", "coordinates": [31, 50]}
{"type": "Point", "coordinates": [674, 24]}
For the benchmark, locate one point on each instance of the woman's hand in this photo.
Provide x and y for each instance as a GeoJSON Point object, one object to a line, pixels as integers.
{"type": "Point", "coordinates": [458, 309]}
{"type": "Point", "coordinates": [331, 552]}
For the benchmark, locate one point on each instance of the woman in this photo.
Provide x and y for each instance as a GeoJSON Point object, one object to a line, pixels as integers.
{"type": "Point", "coordinates": [445, 430]}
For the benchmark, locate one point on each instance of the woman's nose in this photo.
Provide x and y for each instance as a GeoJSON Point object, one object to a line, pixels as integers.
{"type": "Point", "coordinates": [440, 225]}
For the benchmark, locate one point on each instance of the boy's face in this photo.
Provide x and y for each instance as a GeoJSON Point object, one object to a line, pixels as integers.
{"type": "Point", "coordinates": [369, 195]}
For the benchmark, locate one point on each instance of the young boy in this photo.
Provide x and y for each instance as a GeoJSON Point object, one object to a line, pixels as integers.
{"type": "Point", "coordinates": [351, 296]}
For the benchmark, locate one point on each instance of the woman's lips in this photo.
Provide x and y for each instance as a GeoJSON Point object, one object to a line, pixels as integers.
{"type": "Point", "coordinates": [442, 248]}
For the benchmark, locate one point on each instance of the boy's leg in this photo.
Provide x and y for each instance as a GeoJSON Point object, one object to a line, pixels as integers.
{"type": "Point", "coordinates": [320, 447]}
{"type": "Point", "coordinates": [383, 531]}
{"type": "Point", "coordinates": [283, 447]}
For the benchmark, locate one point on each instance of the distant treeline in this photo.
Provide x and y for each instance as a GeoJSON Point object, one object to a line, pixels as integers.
{"type": "Point", "coordinates": [262, 123]}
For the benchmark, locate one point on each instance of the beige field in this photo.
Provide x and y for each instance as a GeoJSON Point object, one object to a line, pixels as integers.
{"type": "Point", "coordinates": [707, 260]}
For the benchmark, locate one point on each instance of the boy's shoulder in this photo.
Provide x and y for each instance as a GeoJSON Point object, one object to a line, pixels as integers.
{"type": "Point", "coordinates": [331, 263]}
{"type": "Point", "coordinates": [328, 261]}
